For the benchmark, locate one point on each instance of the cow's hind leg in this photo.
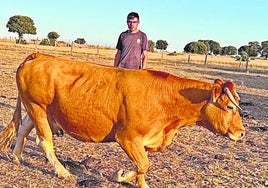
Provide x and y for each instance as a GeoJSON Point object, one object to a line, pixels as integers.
{"type": "Point", "coordinates": [45, 136]}
{"type": "Point", "coordinates": [136, 151]}
{"type": "Point", "coordinates": [25, 129]}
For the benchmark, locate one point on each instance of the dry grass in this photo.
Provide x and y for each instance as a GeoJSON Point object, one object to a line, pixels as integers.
{"type": "Point", "coordinates": [196, 158]}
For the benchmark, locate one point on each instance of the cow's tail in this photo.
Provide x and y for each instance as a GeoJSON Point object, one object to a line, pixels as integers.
{"type": "Point", "coordinates": [8, 134]}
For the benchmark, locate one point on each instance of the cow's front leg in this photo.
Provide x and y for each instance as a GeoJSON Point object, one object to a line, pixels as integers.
{"type": "Point", "coordinates": [136, 151]}
{"type": "Point", "coordinates": [24, 131]}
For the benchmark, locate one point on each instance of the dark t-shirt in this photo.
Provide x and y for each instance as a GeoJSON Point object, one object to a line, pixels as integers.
{"type": "Point", "coordinates": [131, 46]}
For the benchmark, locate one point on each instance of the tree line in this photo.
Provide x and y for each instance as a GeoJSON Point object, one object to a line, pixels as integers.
{"type": "Point", "coordinates": [25, 25]}
{"type": "Point", "coordinates": [253, 49]}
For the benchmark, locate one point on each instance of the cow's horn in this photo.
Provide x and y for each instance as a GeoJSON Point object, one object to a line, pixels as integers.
{"type": "Point", "coordinates": [236, 94]}
{"type": "Point", "coordinates": [231, 97]}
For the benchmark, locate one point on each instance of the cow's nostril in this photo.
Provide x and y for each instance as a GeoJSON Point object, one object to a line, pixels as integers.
{"type": "Point", "coordinates": [242, 134]}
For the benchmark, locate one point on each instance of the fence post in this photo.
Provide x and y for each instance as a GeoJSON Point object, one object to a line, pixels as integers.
{"type": "Point", "coordinates": [206, 58]}
{"type": "Point", "coordinates": [247, 62]}
{"type": "Point", "coordinates": [189, 58]}
{"type": "Point", "coordinates": [36, 40]}
{"type": "Point", "coordinates": [98, 50]}
{"type": "Point", "coordinates": [72, 48]}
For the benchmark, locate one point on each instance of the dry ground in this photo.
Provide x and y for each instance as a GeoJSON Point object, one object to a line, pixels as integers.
{"type": "Point", "coordinates": [196, 158]}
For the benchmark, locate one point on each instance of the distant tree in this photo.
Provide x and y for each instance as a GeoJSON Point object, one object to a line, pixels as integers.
{"type": "Point", "coordinates": [264, 49]}
{"type": "Point", "coordinates": [215, 47]}
{"type": "Point", "coordinates": [53, 35]}
{"type": "Point", "coordinates": [206, 42]}
{"type": "Point", "coordinates": [45, 42]}
{"type": "Point", "coordinates": [228, 50]}
{"type": "Point", "coordinates": [212, 46]}
{"type": "Point", "coordinates": [264, 45]}
{"type": "Point", "coordinates": [196, 47]}
{"type": "Point", "coordinates": [224, 50]}
{"type": "Point", "coordinates": [264, 53]}
{"type": "Point", "coordinates": [80, 41]}
{"type": "Point", "coordinates": [244, 48]}
{"type": "Point", "coordinates": [21, 25]}
{"type": "Point", "coordinates": [232, 50]}
{"type": "Point", "coordinates": [151, 45]}
{"type": "Point", "coordinates": [161, 45]}
{"type": "Point", "coordinates": [244, 56]}
{"type": "Point", "coordinates": [253, 49]}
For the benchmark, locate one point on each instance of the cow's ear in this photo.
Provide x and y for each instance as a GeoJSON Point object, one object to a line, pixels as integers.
{"type": "Point", "coordinates": [218, 81]}
{"type": "Point", "coordinates": [215, 93]}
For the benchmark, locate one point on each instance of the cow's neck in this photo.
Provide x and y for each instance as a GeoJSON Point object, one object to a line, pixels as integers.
{"type": "Point", "coordinates": [195, 95]}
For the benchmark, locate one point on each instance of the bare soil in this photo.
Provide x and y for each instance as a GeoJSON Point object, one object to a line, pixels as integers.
{"type": "Point", "coordinates": [196, 158]}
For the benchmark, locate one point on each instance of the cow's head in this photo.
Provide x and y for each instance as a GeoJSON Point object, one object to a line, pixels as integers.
{"type": "Point", "coordinates": [221, 113]}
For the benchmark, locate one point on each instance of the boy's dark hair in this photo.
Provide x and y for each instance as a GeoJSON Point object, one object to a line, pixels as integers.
{"type": "Point", "coordinates": [133, 15]}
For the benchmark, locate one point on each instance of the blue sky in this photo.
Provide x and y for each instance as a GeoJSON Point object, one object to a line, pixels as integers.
{"type": "Point", "coordinates": [229, 22]}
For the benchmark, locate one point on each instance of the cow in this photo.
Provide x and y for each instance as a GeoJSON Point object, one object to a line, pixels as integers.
{"type": "Point", "coordinates": [141, 110]}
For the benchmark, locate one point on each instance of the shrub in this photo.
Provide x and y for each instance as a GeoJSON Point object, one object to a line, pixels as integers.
{"type": "Point", "coordinates": [173, 53]}
{"type": "Point", "coordinates": [45, 42]}
{"type": "Point", "coordinates": [22, 41]}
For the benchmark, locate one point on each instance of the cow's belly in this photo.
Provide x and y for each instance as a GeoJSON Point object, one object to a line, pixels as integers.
{"type": "Point", "coordinates": [86, 127]}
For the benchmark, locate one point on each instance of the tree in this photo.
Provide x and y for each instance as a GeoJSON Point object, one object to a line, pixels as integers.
{"type": "Point", "coordinates": [228, 50]}
{"type": "Point", "coordinates": [232, 50]}
{"type": "Point", "coordinates": [244, 56]}
{"type": "Point", "coordinates": [52, 37]}
{"type": "Point", "coordinates": [264, 53]}
{"type": "Point", "coordinates": [212, 46]}
{"type": "Point", "coordinates": [21, 25]}
{"type": "Point", "coordinates": [215, 47]}
{"type": "Point", "coordinates": [244, 48]}
{"type": "Point", "coordinates": [253, 49]}
{"type": "Point", "coordinates": [224, 50]}
{"type": "Point", "coordinates": [206, 42]}
{"type": "Point", "coordinates": [161, 45]}
{"type": "Point", "coordinates": [151, 45]}
{"type": "Point", "coordinates": [45, 42]}
{"type": "Point", "coordinates": [80, 41]}
{"type": "Point", "coordinates": [196, 47]}
{"type": "Point", "coordinates": [264, 49]}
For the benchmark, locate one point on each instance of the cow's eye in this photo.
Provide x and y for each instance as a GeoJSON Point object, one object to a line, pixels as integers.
{"type": "Point", "coordinates": [230, 108]}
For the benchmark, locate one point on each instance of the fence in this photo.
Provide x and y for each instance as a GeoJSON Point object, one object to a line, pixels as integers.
{"type": "Point", "coordinates": [106, 54]}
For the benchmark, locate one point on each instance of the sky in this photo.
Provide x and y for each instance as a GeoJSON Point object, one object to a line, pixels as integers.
{"type": "Point", "coordinates": [228, 22]}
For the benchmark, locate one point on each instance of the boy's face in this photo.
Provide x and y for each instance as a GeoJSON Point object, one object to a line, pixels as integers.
{"type": "Point", "coordinates": [132, 24]}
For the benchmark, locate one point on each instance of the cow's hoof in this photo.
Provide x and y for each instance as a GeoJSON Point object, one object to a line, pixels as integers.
{"type": "Point", "coordinates": [17, 159]}
{"type": "Point", "coordinates": [64, 174]}
{"type": "Point", "coordinates": [122, 176]}
{"type": "Point", "coordinates": [118, 176]}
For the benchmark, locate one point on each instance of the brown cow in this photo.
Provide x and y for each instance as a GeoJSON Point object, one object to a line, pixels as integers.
{"type": "Point", "coordinates": [142, 110]}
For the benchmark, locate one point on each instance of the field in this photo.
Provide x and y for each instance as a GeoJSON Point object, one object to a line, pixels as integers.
{"type": "Point", "coordinates": [196, 158]}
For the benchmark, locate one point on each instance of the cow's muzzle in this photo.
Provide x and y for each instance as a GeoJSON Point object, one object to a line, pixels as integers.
{"type": "Point", "coordinates": [237, 135]}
